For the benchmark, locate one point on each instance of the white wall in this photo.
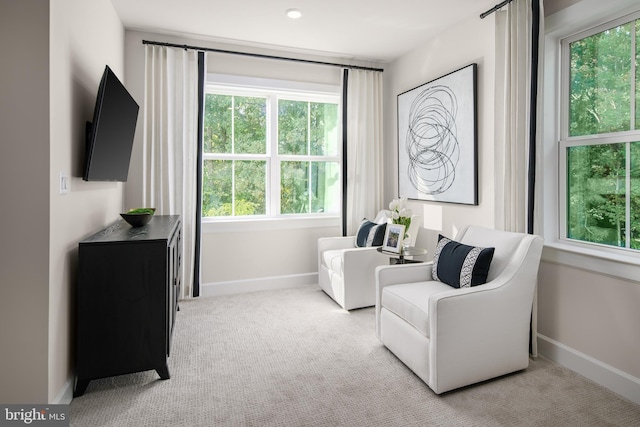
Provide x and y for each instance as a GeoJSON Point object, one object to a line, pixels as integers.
{"type": "Point", "coordinates": [471, 41]}
{"type": "Point", "coordinates": [553, 6]}
{"type": "Point", "coordinates": [594, 314]}
{"type": "Point", "coordinates": [241, 254]}
{"type": "Point", "coordinates": [54, 53]}
{"type": "Point", "coordinates": [85, 36]}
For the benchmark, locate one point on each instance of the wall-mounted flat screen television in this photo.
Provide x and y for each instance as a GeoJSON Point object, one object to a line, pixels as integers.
{"type": "Point", "coordinates": [110, 135]}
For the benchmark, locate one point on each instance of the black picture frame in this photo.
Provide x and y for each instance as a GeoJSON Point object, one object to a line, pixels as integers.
{"type": "Point", "coordinates": [438, 139]}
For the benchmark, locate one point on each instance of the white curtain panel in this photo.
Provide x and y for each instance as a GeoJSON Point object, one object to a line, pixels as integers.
{"type": "Point", "coordinates": [364, 147]}
{"type": "Point", "coordinates": [170, 142]}
{"type": "Point", "coordinates": [512, 120]}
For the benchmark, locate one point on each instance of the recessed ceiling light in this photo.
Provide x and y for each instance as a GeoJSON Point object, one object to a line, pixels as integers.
{"type": "Point", "coordinates": [294, 13]}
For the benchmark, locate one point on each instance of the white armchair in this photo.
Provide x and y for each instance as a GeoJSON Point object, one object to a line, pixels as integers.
{"type": "Point", "coordinates": [453, 337]}
{"type": "Point", "coordinates": [346, 272]}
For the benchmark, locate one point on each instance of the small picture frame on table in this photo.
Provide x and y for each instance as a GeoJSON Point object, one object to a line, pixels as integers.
{"type": "Point", "coordinates": [393, 238]}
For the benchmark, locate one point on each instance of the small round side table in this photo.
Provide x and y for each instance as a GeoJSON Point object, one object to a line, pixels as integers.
{"type": "Point", "coordinates": [399, 257]}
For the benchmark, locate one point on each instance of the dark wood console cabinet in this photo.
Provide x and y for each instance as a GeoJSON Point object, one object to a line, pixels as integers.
{"type": "Point", "coordinates": [127, 298]}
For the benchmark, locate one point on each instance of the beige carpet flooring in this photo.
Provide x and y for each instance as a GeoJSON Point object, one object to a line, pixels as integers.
{"type": "Point", "coordinates": [292, 357]}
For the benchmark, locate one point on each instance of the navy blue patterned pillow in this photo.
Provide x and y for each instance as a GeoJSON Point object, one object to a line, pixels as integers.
{"type": "Point", "coordinates": [459, 265]}
{"type": "Point", "coordinates": [370, 234]}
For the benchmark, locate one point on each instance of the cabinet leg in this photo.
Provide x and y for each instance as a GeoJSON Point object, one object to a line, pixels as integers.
{"type": "Point", "coordinates": [163, 371]}
{"type": "Point", "coordinates": [81, 387]}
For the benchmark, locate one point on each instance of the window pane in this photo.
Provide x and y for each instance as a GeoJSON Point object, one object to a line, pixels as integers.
{"type": "Point", "coordinates": [324, 129]}
{"type": "Point", "coordinates": [596, 193]}
{"type": "Point", "coordinates": [216, 188]}
{"type": "Point", "coordinates": [325, 187]}
{"type": "Point", "coordinates": [294, 181]}
{"type": "Point", "coordinates": [250, 186]}
{"type": "Point", "coordinates": [635, 195]}
{"type": "Point", "coordinates": [292, 127]}
{"type": "Point", "coordinates": [220, 198]}
{"type": "Point", "coordinates": [217, 124]}
{"type": "Point", "coordinates": [600, 86]}
{"type": "Point", "coordinates": [250, 125]}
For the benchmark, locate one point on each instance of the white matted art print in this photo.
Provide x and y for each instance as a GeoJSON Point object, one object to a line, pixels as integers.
{"type": "Point", "coordinates": [438, 139]}
{"type": "Point", "coordinates": [393, 237]}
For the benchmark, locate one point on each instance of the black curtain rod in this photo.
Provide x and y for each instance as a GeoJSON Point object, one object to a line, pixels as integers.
{"type": "Point", "coordinates": [259, 55]}
{"type": "Point", "coordinates": [496, 7]}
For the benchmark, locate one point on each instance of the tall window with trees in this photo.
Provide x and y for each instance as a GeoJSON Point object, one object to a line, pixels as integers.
{"type": "Point", "coordinates": [269, 153]}
{"type": "Point", "coordinates": [600, 135]}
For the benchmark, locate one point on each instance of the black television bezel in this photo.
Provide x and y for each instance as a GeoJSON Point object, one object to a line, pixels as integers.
{"type": "Point", "coordinates": [93, 128]}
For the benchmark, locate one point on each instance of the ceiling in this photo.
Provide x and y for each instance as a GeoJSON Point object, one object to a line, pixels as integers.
{"type": "Point", "coordinates": [371, 30]}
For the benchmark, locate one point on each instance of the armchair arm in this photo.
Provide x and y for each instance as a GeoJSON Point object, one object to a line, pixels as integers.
{"type": "Point", "coordinates": [396, 274]}
{"type": "Point", "coordinates": [342, 242]}
{"type": "Point", "coordinates": [403, 273]}
{"type": "Point", "coordinates": [329, 243]}
{"type": "Point", "coordinates": [358, 270]}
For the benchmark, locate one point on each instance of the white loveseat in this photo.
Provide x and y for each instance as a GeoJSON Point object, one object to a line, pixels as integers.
{"type": "Point", "coordinates": [453, 337]}
{"type": "Point", "coordinates": [347, 273]}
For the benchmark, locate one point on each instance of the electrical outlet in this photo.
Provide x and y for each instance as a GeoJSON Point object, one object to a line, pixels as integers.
{"type": "Point", "coordinates": [64, 183]}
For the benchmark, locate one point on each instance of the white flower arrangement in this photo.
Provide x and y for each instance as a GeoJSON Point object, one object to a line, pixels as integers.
{"type": "Point", "coordinates": [400, 214]}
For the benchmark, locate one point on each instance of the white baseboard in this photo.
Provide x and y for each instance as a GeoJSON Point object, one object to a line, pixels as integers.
{"type": "Point", "coordinates": [65, 395]}
{"type": "Point", "coordinates": [259, 284]}
{"type": "Point", "coordinates": [606, 375]}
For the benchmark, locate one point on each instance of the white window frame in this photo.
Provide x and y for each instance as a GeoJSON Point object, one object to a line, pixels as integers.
{"type": "Point", "coordinates": [576, 19]}
{"type": "Point", "coordinates": [567, 141]}
{"type": "Point", "coordinates": [273, 90]}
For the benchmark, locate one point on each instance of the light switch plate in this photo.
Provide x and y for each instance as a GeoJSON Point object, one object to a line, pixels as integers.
{"type": "Point", "coordinates": [64, 183]}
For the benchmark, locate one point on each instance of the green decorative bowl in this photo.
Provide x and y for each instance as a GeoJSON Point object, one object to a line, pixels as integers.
{"type": "Point", "coordinates": [138, 217]}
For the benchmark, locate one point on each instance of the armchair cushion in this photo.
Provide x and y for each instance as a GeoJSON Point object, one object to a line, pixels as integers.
{"type": "Point", "coordinates": [370, 234]}
{"type": "Point", "coordinates": [459, 265]}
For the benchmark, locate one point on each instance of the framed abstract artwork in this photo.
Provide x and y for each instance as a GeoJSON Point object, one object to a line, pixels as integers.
{"type": "Point", "coordinates": [438, 139]}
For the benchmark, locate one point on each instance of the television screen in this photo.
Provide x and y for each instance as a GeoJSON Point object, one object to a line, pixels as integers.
{"type": "Point", "coordinates": [110, 135]}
